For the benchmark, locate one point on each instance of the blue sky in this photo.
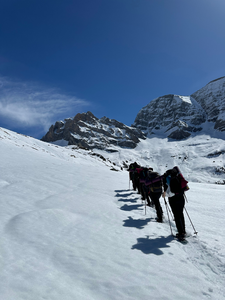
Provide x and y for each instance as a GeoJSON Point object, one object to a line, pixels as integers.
{"type": "Point", "coordinates": [110, 57]}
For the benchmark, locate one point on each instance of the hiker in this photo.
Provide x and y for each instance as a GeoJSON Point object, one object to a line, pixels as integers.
{"type": "Point", "coordinates": [155, 192]}
{"type": "Point", "coordinates": [143, 176]}
{"type": "Point", "coordinates": [175, 193]}
{"type": "Point", "coordinates": [137, 178]}
{"type": "Point", "coordinates": [133, 174]}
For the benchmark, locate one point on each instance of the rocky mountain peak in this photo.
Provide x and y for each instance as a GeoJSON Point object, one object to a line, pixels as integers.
{"type": "Point", "coordinates": [212, 99]}
{"type": "Point", "coordinates": [173, 116]}
{"type": "Point", "coordinates": [86, 117]}
{"type": "Point", "coordinates": [218, 79]}
{"type": "Point", "coordinates": [178, 117]}
{"type": "Point", "coordinates": [87, 131]}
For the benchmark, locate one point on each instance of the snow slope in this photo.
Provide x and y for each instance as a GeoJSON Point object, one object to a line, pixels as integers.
{"type": "Point", "coordinates": [201, 158]}
{"type": "Point", "coordinates": [72, 229]}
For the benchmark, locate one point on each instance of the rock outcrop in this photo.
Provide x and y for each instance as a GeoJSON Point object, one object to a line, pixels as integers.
{"type": "Point", "coordinates": [178, 117]}
{"type": "Point", "coordinates": [87, 131]}
{"type": "Point", "coordinates": [173, 116]}
{"type": "Point", "coordinates": [212, 100]}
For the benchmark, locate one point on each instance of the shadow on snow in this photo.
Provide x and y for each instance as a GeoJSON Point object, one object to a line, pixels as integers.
{"type": "Point", "coordinates": [121, 191]}
{"type": "Point", "coordinates": [123, 195]}
{"type": "Point", "coordinates": [146, 245]}
{"type": "Point", "coordinates": [128, 200]}
{"type": "Point", "coordinates": [152, 246]}
{"type": "Point", "coordinates": [139, 223]}
{"type": "Point", "coordinates": [131, 207]}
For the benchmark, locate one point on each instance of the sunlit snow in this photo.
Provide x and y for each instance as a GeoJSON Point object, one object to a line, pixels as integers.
{"type": "Point", "coordinates": [73, 229]}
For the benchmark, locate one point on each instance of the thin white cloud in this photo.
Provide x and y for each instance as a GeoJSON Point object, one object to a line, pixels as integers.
{"type": "Point", "coordinates": [29, 104]}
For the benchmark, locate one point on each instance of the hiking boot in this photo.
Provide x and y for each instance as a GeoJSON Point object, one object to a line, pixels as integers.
{"type": "Point", "coordinates": [159, 220]}
{"type": "Point", "coordinates": [180, 236]}
{"type": "Point", "coordinates": [183, 234]}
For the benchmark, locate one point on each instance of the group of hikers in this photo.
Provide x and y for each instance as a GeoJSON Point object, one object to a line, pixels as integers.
{"type": "Point", "coordinates": [151, 185]}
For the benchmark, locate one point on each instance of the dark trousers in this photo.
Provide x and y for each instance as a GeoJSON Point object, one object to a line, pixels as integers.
{"type": "Point", "coordinates": [138, 185]}
{"type": "Point", "coordinates": [144, 193]}
{"type": "Point", "coordinates": [177, 205]}
{"type": "Point", "coordinates": [155, 198]}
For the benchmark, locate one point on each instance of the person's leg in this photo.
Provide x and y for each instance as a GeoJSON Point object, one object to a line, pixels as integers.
{"type": "Point", "coordinates": [180, 214]}
{"type": "Point", "coordinates": [155, 197]}
{"type": "Point", "coordinates": [177, 205]}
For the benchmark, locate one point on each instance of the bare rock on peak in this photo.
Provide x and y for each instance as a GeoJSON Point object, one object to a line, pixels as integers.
{"type": "Point", "coordinates": [178, 117]}
{"type": "Point", "coordinates": [87, 131]}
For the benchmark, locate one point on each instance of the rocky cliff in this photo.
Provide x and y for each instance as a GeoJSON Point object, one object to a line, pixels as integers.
{"type": "Point", "coordinates": [173, 116]}
{"type": "Point", "coordinates": [178, 117]}
{"type": "Point", "coordinates": [87, 131]}
{"type": "Point", "coordinates": [212, 100]}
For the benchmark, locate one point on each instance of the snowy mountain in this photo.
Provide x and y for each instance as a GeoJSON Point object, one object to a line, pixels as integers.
{"type": "Point", "coordinates": [172, 116]}
{"type": "Point", "coordinates": [212, 100]}
{"type": "Point", "coordinates": [87, 131]}
{"type": "Point", "coordinates": [72, 229]}
{"type": "Point", "coordinates": [178, 117]}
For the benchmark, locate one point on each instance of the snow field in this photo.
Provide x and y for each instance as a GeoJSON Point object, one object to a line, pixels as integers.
{"type": "Point", "coordinates": [72, 229]}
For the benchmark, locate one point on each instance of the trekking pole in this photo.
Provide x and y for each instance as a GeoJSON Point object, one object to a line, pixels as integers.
{"type": "Point", "coordinates": [168, 215]}
{"type": "Point", "coordinates": [145, 206]}
{"type": "Point", "coordinates": [171, 213]}
{"type": "Point", "coordinates": [129, 180]}
{"type": "Point", "coordinates": [195, 232]}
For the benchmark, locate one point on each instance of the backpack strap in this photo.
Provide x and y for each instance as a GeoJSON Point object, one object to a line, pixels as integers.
{"type": "Point", "coordinates": [150, 181]}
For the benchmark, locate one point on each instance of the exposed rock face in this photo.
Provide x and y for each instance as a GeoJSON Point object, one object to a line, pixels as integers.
{"type": "Point", "coordinates": [172, 116]}
{"type": "Point", "coordinates": [212, 99]}
{"type": "Point", "coordinates": [178, 117]}
{"type": "Point", "coordinates": [85, 130]}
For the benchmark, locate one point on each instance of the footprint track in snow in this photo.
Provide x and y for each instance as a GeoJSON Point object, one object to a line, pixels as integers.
{"type": "Point", "coordinates": [207, 262]}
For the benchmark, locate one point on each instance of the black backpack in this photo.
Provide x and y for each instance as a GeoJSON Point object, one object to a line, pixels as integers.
{"type": "Point", "coordinates": [144, 173]}
{"type": "Point", "coordinates": [175, 181]}
{"type": "Point", "coordinates": [155, 187]}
